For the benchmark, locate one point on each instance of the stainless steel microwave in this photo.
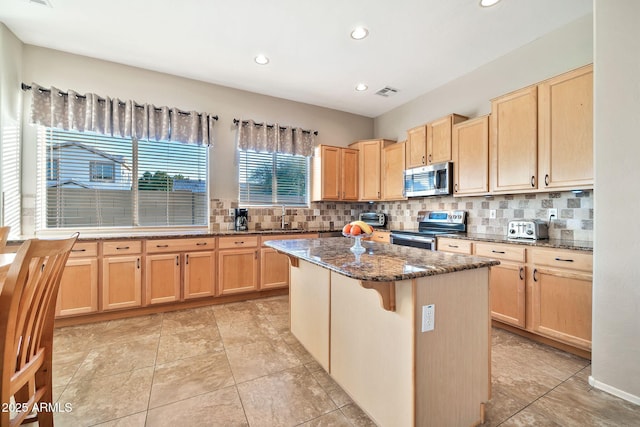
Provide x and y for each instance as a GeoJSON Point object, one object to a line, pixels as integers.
{"type": "Point", "coordinates": [432, 180]}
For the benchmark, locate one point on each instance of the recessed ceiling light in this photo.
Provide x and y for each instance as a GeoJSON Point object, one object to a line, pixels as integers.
{"type": "Point", "coordinates": [359, 33]}
{"type": "Point", "coordinates": [261, 59]}
{"type": "Point", "coordinates": [361, 87]}
{"type": "Point", "coordinates": [488, 3]}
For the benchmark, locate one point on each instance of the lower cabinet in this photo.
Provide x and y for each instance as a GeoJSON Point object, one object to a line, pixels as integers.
{"type": "Point", "coordinates": [121, 282]}
{"type": "Point", "coordinates": [237, 264]}
{"type": "Point", "coordinates": [199, 275]}
{"type": "Point", "coordinates": [78, 293]}
{"type": "Point", "coordinates": [274, 269]}
{"type": "Point", "coordinates": [162, 278]}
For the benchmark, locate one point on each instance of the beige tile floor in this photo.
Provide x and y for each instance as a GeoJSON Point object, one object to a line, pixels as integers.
{"type": "Point", "coordinates": [238, 365]}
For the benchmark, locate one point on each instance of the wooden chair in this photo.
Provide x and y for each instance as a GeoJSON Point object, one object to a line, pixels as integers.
{"type": "Point", "coordinates": [4, 235]}
{"type": "Point", "coordinates": [27, 307]}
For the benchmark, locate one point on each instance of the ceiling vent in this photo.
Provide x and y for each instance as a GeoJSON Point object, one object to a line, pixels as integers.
{"type": "Point", "coordinates": [387, 91]}
{"type": "Point", "coordinates": [46, 3]}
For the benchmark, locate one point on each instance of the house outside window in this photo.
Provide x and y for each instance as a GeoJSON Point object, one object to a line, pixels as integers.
{"type": "Point", "coordinates": [102, 171]}
{"type": "Point", "coordinates": [269, 179]}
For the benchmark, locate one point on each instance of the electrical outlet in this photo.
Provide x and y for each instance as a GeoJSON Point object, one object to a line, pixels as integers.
{"type": "Point", "coordinates": [232, 212]}
{"type": "Point", "coordinates": [492, 214]}
{"type": "Point", "coordinates": [552, 214]}
{"type": "Point", "coordinates": [428, 317]}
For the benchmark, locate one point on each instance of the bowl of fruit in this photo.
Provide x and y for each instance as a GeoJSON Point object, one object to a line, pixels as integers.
{"type": "Point", "coordinates": [357, 230]}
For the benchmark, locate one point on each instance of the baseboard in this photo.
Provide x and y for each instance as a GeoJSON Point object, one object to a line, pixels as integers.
{"type": "Point", "coordinates": [614, 391]}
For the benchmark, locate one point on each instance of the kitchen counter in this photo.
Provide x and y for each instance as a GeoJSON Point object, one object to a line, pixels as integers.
{"type": "Point", "coordinates": [404, 331]}
{"type": "Point", "coordinates": [381, 262]}
{"type": "Point", "coordinates": [577, 245]}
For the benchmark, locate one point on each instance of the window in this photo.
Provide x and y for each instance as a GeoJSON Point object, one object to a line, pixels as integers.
{"type": "Point", "coordinates": [102, 171]}
{"type": "Point", "coordinates": [96, 181]}
{"type": "Point", "coordinates": [273, 179]}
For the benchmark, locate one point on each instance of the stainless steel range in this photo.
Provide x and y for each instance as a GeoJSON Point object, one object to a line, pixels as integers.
{"type": "Point", "coordinates": [430, 224]}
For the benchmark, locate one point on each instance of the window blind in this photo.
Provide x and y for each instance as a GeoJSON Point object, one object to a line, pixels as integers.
{"type": "Point", "coordinates": [97, 181]}
{"type": "Point", "coordinates": [273, 179]}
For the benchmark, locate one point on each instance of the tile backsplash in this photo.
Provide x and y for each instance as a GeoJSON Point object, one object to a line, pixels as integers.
{"type": "Point", "coordinates": [575, 213]}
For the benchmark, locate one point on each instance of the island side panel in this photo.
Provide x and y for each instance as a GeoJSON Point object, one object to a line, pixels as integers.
{"type": "Point", "coordinates": [452, 361]}
{"type": "Point", "coordinates": [372, 349]}
{"type": "Point", "coordinates": [309, 292]}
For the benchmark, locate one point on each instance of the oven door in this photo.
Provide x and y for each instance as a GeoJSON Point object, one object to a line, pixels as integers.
{"type": "Point", "coordinates": [422, 242]}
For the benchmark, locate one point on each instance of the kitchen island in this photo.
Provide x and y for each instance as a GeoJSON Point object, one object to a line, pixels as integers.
{"type": "Point", "coordinates": [362, 317]}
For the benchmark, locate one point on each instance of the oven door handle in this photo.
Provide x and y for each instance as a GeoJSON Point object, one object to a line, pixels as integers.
{"type": "Point", "coordinates": [412, 238]}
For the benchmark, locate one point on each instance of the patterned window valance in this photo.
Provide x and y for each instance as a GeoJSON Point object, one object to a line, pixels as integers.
{"type": "Point", "coordinates": [113, 117]}
{"type": "Point", "coordinates": [274, 138]}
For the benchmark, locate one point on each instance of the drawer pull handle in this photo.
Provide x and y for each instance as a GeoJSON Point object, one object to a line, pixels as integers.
{"type": "Point", "coordinates": [120, 248]}
{"type": "Point", "coordinates": [564, 260]}
{"type": "Point", "coordinates": [535, 271]}
{"type": "Point", "coordinates": [162, 246]}
{"type": "Point", "coordinates": [454, 246]}
{"type": "Point", "coordinates": [201, 244]}
{"type": "Point", "coordinates": [239, 243]}
{"type": "Point", "coordinates": [78, 250]}
{"type": "Point", "coordinates": [497, 252]}
{"type": "Point", "coordinates": [521, 273]}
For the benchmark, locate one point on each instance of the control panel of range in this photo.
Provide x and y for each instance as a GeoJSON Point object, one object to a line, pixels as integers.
{"type": "Point", "coordinates": [528, 229]}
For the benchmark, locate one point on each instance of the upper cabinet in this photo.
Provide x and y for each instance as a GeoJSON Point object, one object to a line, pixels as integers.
{"type": "Point", "coordinates": [470, 154]}
{"type": "Point", "coordinates": [565, 130]}
{"type": "Point", "coordinates": [416, 149]}
{"type": "Point", "coordinates": [393, 166]}
{"type": "Point", "coordinates": [335, 173]}
{"type": "Point", "coordinates": [542, 135]}
{"type": "Point", "coordinates": [370, 168]}
{"type": "Point", "coordinates": [439, 138]}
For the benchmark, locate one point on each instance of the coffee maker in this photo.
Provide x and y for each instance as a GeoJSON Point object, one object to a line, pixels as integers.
{"type": "Point", "coordinates": [241, 219]}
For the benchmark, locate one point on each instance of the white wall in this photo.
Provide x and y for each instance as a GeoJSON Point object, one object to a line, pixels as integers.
{"type": "Point", "coordinates": [10, 119]}
{"type": "Point", "coordinates": [67, 71]}
{"type": "Point", "coordinates": [559, 51]}
{"type": "Point", "coordinates": [616, 296]}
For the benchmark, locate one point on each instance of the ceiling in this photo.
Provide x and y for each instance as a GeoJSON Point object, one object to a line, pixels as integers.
{"type": "Point", "coordinates": [413, 45]}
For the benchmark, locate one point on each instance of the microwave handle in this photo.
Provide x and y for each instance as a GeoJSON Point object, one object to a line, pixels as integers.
{"type": "Point", "coordinates": [437, 179]}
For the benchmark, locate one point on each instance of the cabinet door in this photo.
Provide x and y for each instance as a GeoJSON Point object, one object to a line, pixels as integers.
{"type": "Point", "coordinates": [237, 271]}
{"type": "Point", "coordinates": [274, 268]}
{"type": "Point", "coordinates": [370, 153]}
{"type": "Point", "coordinates": [507, 284]}
{"type": "Point", "coordinates": [565, 118]}
{"type": "Point", "coordinates": [514, 141]}
{"type": "Point", "coordinates": [162, 278]}
{"type": "Point", "coordinates": [417, 147]}
{"type": "Point", "coordinates": [326, 173]}
{"type": "Point", "coordinates": [349, 174]}
{"type": "Point", "coordinates": [562, 306]}
{"type": "Point", "coordinates": [121, 282]}
{"type": "Point", "coordinates": [470, 151]}
{"type": "Point", "coordinates": [393, 166]}
{"type": "Point", "coordinates": [199, 274]}
{"type": "Point", "coordinates": [78, 292]}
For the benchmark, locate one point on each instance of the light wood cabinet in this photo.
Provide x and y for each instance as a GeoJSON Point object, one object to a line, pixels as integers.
{"type": "Point", "coordinates": [561, 287]}
{"type": "Point", "coordinates": [507, 282]}
{"type": "Point", "coordinates": [457, 246]}
{"type": "Point", "coordinates": [370, 168]}
{"type": "Point", "coordinates": [393, 166]}
{"type": "Point", "coordinates": [470, 154]}
{"type": "Point", "coordinates": [237, 267]}
{"type": "Point", "coordinates": [121, 282]}
{"type": "Point", "coordinates": [514, 141]}
{"type": "Point", "coordinates": [274, 269]}
{"type": "Point", "coordinates": [565, 130]}
{"type": "Point", "coordinates": [439, 135]}
{"type": "Point", "coordinates": [78, 292]}
{"type": "Point", "coordinates": [199, 274]}
{"type": "Point", "coordinates": [416, 151]}
{"type": "Point", "coordinates": [162, 278]}
{"type": "Point", "coordinates": [335, 173]}
{"type": "Point", "coordinates": [381, 236]}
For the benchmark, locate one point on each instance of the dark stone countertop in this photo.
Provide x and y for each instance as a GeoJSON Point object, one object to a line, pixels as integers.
{"type": "Point", "coordinates": [381, 262]}
{"type": "Point", "coordinates": [576, 245]}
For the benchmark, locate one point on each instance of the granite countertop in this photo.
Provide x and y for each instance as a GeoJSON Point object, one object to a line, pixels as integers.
{"type": "Point", "coordinates": [170, 234]}
{"type": "Point", "coordinates": [577, 245]}
{"type": "Point", "coordinates": [381, 262]}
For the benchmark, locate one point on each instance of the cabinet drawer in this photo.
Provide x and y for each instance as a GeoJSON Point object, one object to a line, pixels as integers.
{"type": "Point", "coordinates": [504, 252]}
{"type": "Point", "coordinates": [180, 245]}
{"type": "Point", "coordinates": [122, 248]}
{"type": "Point", "coordinates": [237, 242]}
{"type": "Point", "coordinates": [563, 259]}
{"type": "Point", "coordinates": [288, 237]}
{"type": "Point", "coordinates": [84, 249]}
{"type": "Point", "coordinates": [454, 245]}
{"type": "Point", "coordinates": [381, 236]}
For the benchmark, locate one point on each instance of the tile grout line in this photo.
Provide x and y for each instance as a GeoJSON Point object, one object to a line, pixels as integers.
{"type": "Point", "coordinates": [155, 364]}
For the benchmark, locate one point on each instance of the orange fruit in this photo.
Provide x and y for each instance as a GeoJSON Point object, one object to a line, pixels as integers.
{"type": "Point", "coordinates": [346, 229]}
{"type": "Point", "coordinates": [356, 230]}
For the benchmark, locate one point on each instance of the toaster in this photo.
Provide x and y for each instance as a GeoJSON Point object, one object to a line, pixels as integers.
{"type": "Point", "coordinates": [533, 229]}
